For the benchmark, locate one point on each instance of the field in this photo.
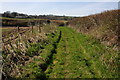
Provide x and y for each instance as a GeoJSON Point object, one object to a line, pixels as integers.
{"type": "Point", "coordinates": [56, 50]}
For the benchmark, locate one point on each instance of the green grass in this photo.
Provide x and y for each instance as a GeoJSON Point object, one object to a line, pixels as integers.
{"type": "Point", "coordinates": [33, 69]}
{"type": "Point", "coordinates": [71, 55]}
{"type": "Point", "coordinates": [34, 49]}
{"type": "Point", "coordinates": [18, 18]}
{"type": "Point", "coordinates": [80, 56]}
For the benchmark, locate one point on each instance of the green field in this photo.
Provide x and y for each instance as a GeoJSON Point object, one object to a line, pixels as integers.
{"type": "Point", "coordinates": [71, 55]}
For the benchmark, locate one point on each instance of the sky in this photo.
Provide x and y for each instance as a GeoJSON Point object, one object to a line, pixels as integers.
{"type": "Point", "coordinates": [59, 8]}
{"type": "Point", "coordinates": [59, 0]}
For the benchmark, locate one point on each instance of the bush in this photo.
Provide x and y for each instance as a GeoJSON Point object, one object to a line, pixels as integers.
{"type": "Point", "coordinates": [33, 49]}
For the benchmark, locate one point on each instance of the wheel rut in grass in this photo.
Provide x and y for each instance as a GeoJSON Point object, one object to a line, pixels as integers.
{"type": "Point", "coordinates": [53, 51]}
{"type": "Point", "coordinates": [74, 57]}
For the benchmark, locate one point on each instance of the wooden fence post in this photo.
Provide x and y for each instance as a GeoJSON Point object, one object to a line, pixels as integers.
{"type": "Point", "coordinates": [18, 28]}
{"type": "Point", "coordinates": [32, 28]}
{"type": "Point", "coordinates": [39, 29]}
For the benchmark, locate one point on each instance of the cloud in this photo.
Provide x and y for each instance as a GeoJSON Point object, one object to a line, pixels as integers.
{"type": "Point", "coordinates": [59, 8]}
{"type": "Point", "coordinates": [93, 8]}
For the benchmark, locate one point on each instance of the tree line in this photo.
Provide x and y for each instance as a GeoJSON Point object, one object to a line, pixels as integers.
{"type": "Point", "coordinates": [25, 16]}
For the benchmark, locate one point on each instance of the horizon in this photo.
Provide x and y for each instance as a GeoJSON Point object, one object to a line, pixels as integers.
{"type": "Point", "coordinates": [75, 9]}
{"type": "Point", "coordinates": [58, 15]}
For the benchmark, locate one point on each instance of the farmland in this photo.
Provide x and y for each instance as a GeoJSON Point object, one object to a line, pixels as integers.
{"type": "Point", "coordinates": [46, 49]}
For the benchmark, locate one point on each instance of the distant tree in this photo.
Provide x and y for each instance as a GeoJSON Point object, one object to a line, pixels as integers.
{"type": "Point", "coordinates": [7, 14]}
{"type": "Point", "coordinates": [14, 14]}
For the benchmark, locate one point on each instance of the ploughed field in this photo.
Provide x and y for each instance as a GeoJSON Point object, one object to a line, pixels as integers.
{"type": "Point", "coordinates": [57, 52]}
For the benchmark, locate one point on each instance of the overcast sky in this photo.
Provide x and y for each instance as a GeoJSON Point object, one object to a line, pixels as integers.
{"type": "Point", "coordinates": [59, 8]}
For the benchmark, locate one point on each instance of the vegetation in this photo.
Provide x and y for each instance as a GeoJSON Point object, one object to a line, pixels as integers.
{"type": "Point", "coordinates": [69, 55]}
{"type": "Point", "coordinates": [21, 22]}
{"type": "Point", "coordinates": [51, 49]}
{"type": "Point", "coordinates": [103, 26]}
{"type": "Point", "coordinates": [19, 49]}
{"type": "Point", "coordinates": [80, 56]}
{"type": "Point", "coordinates": [17, 15]}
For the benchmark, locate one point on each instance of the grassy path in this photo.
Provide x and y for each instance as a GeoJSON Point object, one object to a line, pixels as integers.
{"type": "Point", "coordinates": [78, 56]}
{"type": "Point", "coordinates": [69, 54]}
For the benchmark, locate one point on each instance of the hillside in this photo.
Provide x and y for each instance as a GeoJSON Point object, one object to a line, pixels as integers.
{"type": "Point", "coordinates": [103, 26]}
